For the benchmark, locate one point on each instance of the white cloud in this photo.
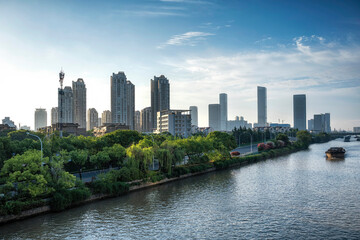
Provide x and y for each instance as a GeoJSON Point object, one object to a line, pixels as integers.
{"type": "Point", "coordinates": [189, 38]}
{"type": "Point", "coordinates": [324, 74]}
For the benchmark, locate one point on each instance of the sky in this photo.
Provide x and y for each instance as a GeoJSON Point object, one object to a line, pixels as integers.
{"type": "Point", "coordinates": [204, 48]}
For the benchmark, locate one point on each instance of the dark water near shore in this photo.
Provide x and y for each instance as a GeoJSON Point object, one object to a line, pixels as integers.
{"type": "Point", "coordinates": [300, 196]}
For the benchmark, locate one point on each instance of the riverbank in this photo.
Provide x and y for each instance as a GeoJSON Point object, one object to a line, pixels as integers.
{"type": "Point", "coordinates": [178, 173]}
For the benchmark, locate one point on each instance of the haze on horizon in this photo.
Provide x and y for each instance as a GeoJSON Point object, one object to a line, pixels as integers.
{"type": "Point", "coordinates": [204, 47]}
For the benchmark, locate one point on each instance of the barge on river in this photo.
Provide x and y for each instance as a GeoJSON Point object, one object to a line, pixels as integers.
{"type": "Point", "coordinates": [335, 153]}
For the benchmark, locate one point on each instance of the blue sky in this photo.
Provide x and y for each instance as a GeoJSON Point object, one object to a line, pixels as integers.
{"type": "Point", "coordinates": [204, 47]}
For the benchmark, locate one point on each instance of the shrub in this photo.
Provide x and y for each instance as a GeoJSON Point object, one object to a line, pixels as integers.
{"type": "Point", "coordinates": [235, 153]}
{"type": "Point", "coordinates": [261, 147]}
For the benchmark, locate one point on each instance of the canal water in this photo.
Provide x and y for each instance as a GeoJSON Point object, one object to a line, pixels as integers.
{"type": "Point", "coordinates": [300, 196]}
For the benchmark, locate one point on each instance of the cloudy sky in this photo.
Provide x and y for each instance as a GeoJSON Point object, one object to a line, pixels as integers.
{"type": "Point", "coordinates": [204, 47]}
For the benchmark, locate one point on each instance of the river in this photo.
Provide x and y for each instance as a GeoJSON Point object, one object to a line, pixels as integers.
{"type": "Point", "coordinates": [299, 196]}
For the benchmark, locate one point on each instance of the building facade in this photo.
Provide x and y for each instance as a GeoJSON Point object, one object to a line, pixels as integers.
{"type": "Point", "coordinates": [130, 105]}
{"type": "Point", "coordinates": [176, 122]}
{"type": "Point", "coordinates": [322, 123]}
{"type": "Point", "coordinates": [299, 108]}
{"type": "Point", "coordinates": [65, 105]}
{"type": "Point", "coordinates": [160, 97]}
{"type": "Point", "coordinates": [106, 117]}
{"type": "Point", "coordinates": [223, 111]}
{"type": "Point", "coordinates": [122, 100]}
{"type": "Point", "coordinates": [146, 120]}
{"type": "Point", "coordinates": [79, 96]}
{"type": "Point", "coordinates": [54, 115]}
{"type": "Point", "coordinates": [356, 129]}
{"type": "Point", "coordinates": [40, 118]}
{"type": "Point", "coordinates": [311, 124]}
{"type": "Point", "coordinates": [237, 123]}
{"type": "Point", "coordinates": [137, 121]}
{"type": "Point", "coordinates": [214, 117]}
{"type": "Point", "coordinates": [194, 115]}
{"type": "Point", "coordinates": [8, 122]}
{"type": "Point", "coordinates": [93, 118]}
{"type": "Point", "coordinates": [262, 106]}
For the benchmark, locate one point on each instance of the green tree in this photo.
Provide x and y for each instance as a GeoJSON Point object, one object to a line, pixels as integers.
{"type": "Point", "coordinates": [283, 137]}
{"type": "Point", "coordinates": [221, 138]}
{"type": "Point", "coordinates": [116, 153]}
{"type": "Point", "coordinates": [303, 138]}
{"type": "Point", "coordinates": [28, 174]}
{"type": "Point", "coordinates": [123, 137]}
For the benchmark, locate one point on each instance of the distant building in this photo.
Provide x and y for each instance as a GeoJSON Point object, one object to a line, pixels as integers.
{"type": "Point", "coordinates": [194, 115]}
{"type": "Point", "coordinates": [311, 124]}
{"type": "Point", "coordinates": [92, 116]}
{"type": "Point", "coordinates": [54, 115]}
{"type": "Point", "coordinates": [237, 123]}
{"type": "Point", "coordinates": [214, 116]}
{"type": "Point", "coordinates": [262, 106]}
{"type": "Point", "coordinates": [283, 125]}
{"type": "Point", "coordinates": [79, 96]}
{"type": "Point", "coordinates": [6, 127]}
{"type": "Point", "coordinates": [40, 118]}
{"type": "Point", "coordinates": [67, 128]}
{"type": "Point", "coordinates": [322, 123]}
{"type": "Point", "coordinates": [8, 122]}
{"type": "Point", "coordinates": [160, 97]}
{"type": "Point", "coordinates": [146, 120]}
{"type": "Point", "coordinates": [137, 121]}
{"type": "Point", "coordinates": [327, 123]}
{"type": "Point", "coordinates": [122, 100]}
{"type": "Point", "coordinates": [66, 105]}
{"type": "Point", "coordinates": [356, 129]}
{"type": "Point", "coordinates": [223, 111]}
{"type": "Point", "coordinates": [299, 109]}
{"type": "Point", "coordinates": [99, 122]}
{"type": "Point", "coordinates": [176, 122]}
{"type": "Point", "coordinates": [130, 102]}
{"type": "Point", "coordinates": [109, 127]}
{"type": "Point", "coordinates": [25, 128]}
{"type": "Point", "coordinates": [106, 117]}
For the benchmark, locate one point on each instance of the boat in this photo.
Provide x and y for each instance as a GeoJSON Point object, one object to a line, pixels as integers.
{"type": "Point", "coordinates": [335, 153]}
{"type": "Point", "coordinates": [347, 138]}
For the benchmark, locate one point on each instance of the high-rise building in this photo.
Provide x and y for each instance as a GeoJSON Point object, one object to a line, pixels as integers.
{"type": "Point", "coordinates": [261, 106]}
{"type": "Point", "coordinates": [54, 115]}
{"type": "Point", "coordinates": [223, 111]}
{"type": "Point", "coordinates": [130, 105]}
{"type": "Point", "coordinates": [322, 123]}
{"type": "Point", "coordinates": [40, 118]}
{"type": "Point", "coordinates": [176, 122]}
{"type": "Point", "coordinates": [99, 122]}
{"type": "Point", "coordinates": [194, 115]}
{"type": "Point", "coordinates": [106, 117]}
{"type": "Point", "coordinates": [160, 97]}
{"type": "Point", "coordinates": [214, 117]}
{"type": "Point", "coordinates": [66, 108]}
{"type": "Point", "coordinates": [122, 100]}
{"type": "Point", "coordinates": [356, 129]}
{"type": "Point", "coordinates": [137, 121]}
{"type": "Point", "coordinates": [311, 124]}
{"type": "Point", "coordinates": [327, 123]}
{"type": "Point", "coordinates": [92, 116]}
{"type": "Point", "coordinates": [79, 96]}
{"type": "Point", "coordinates": [299, 109]}
{"type": "Point", "coordinates": [146, 120]}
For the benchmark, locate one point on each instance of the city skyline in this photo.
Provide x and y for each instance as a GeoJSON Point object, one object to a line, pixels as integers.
{"type": "Point", "coordinates": [203, 55]}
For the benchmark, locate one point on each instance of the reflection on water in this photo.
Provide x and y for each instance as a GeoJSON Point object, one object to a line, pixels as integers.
{"type": "Point", "coordinates": [298, 196]}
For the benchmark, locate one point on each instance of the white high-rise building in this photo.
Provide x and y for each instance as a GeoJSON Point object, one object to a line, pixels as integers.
{"type": "Point", "coordinates": [223, 111]}
{"type": "Point", "coordinates": [54, 115]}
{"type": "Point", "coordinates": [122, 100]}
{"type": "Point", "coordinates": [79, 96]}
{"type": "Point", "coordinates": [106, 117]}
{"type": "Point", "coordinates": [92, 116]}
{"type": "Point", "coordinates": [194, 115]}
{"type": "Point", "coordinates": [261, 106]}
{"type": "Point", "coordinates": [146, 120]}
{"type": "Point", "coordinates": [40, 118]}
{"type": "Point", "coordinates": [214, 117]}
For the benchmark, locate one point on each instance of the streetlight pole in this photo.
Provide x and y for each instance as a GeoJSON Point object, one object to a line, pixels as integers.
{"type": "Point", "coordinates": [40, 143]}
